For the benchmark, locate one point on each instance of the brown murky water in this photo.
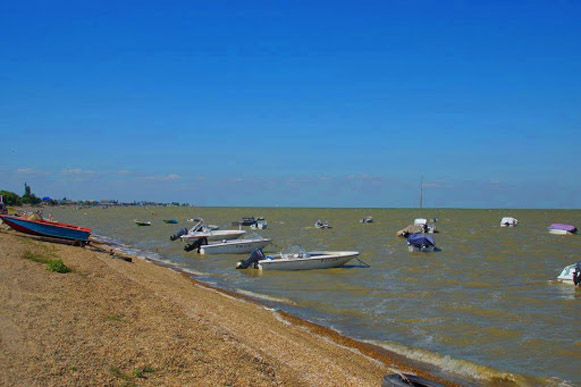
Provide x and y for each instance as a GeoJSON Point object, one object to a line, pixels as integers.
{"type": "Point", "coordinates": [487, 304]}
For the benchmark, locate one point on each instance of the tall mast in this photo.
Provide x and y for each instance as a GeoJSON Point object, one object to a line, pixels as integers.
{"type": "Point", "coordinates": [421, 194]}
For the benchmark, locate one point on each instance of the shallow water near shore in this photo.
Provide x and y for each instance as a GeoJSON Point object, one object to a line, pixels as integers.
{"type": "Point", "coordinates": [486, 305]}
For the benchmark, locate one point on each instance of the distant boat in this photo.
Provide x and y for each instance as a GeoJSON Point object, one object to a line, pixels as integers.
{"type": "Point", "coordinates": [571, 274]}
{"type": "Point", "coordinates": [367, 219]}
{"type": "Point", "coordinates": [233, 246]}
{"type": "Point", "coordinates": [245, 221]}
{"type": "Point", "coordinates": [508, 221]}
{"type": "Point", "coordinates": [142, 222]}
{"type": "Point", "coordinates": [172, 221]}
{"type": "Point", "coordinates": [322, 224]}
{"type": "Point", "coordinates": [48, 228]}
{"type": "Point", "coordinates": [421, 242]}
{"type": "Point", "coordinates": [562, 229]}
{"type": "Point", "coordinates": [295, 257]}
{"type": "Point", "coordinates": [260, 224]}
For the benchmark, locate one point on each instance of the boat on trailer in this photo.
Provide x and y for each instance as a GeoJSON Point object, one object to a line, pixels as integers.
{"type": "Point", "coordinates": [48, 228]}
{"type": "Point", "coordinates": [234, 246]}
{"type": "Point", "coordinates": [562, 229]}
{"type": "Point", "coordinates": [296, 257]}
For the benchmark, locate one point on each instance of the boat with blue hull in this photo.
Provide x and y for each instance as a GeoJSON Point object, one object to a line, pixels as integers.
{"type": "Point", "coordinates": [48, 228]}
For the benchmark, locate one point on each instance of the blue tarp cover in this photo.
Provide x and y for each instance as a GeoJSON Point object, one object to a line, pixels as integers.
{"type": "Point", "coordinates": [421, 239]}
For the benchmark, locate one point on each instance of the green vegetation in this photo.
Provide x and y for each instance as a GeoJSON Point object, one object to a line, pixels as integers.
{"type": "Point", "coordinates": [140, 372]}
{"type": "Point", "coordinates": [114, 317]}
{"type": "Point", "coordinates": [57, 266]}
{"type": "Point", "coordinates": [54, 265]}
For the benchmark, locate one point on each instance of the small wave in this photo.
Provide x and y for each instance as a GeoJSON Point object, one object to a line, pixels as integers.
{"type": "Point", "coordinates": [265, 297]}
{"type": "Point", "coordinates": [447, 364]}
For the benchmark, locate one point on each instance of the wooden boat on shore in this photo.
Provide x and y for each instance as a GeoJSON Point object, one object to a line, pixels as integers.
{"type": "Point", "coordinates": [562, 229]}
{"type": "Point", "coordinates": [48, 228]}
{"type": "Point", "coordinates": [295, 257]}
{"type": "Point", "coordinates": [234, 246]}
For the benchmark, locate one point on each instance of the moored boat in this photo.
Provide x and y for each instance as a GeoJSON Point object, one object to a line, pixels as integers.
{"type": "Point", "coordinates": [322, 224]}
{"type": "Point", "coordinates": [508, 221]}
{"type": "Point", "coordinates": [48, 228]}
{"type": "Point", "coordinates": [562, 229]}
{"type": "Point", "coordinates": [200, 230]}
{"type": "Point", "coordinates": [172, 221]}
{"type": "Point", "coordinates": [295, 257]}
{"type": "Point", "coordinates": [234, 246]}
{"type": "Point", "coordinates": [260, 224]}
{"type": "Point", "coordinates": [367, 219]}
{"type": "Point", "coordinates": [571, 274]}
{"type": "Point", "coordinates": [142, 222]}
{"type": "Point", "coordinates": [421, 242]}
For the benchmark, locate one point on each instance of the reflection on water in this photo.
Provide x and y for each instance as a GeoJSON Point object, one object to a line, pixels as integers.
{"type": "Point", "coordinates": [489, 298]}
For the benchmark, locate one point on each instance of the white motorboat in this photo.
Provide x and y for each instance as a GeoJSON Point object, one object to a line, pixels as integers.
{"type": "Point", "coordinates": [367, 219]}
{"type": "Point", "coordinates": [571, 274]}
{"type": "Point", "coordinates": [508, 221]}
{"type": "Point", "coordinates": [322, 224]}
{"type": "Point", "coordinates": [562, 229]}
{"type": "Point", "coordinates": [295, 257]}
{"type": "Point", "coordinates": [259, 224]}
{"type": "Point", "coordinates": [235, 246]}
{"type": "Point", "coordinates": [201, 230]}
{"type": "Point", "coordinates": [426, 228]}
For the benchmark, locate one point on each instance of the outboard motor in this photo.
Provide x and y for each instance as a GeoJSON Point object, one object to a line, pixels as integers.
{"type": "Point", "coordinates": [182, 231]}
{"type": "Point", "coordinates": [255, 256]}
{"type": "Point", "coordinates": [577, 276]}
{"type": "Point", "coordinates": [196, 244]}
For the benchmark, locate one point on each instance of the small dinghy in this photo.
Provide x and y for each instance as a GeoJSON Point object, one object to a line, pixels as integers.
{"type": "Point", "coordinates": [142, 222]}
{"type": "Point", "coordinates": [421, 242]}
{"type": "Point", "coordinates": [295, 257]}
{"type": "Point", "coordinates": [171, 221]}
{"type": "Point", "coordinates": [508, 221]}
{"type": "Point", "coordinates": [562, 229]}
{"type": "Point", "coordinates": [235, 246]}
{"type": "Point", "coordinates": [571, 274]}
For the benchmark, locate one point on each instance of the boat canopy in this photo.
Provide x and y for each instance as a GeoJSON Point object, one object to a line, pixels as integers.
{"type": "Point", "coordinates": [420, 240]}
{"type": "Point", "coordinates": [294, 251]}
{"type": "Point", "coordinates": [565, 227]}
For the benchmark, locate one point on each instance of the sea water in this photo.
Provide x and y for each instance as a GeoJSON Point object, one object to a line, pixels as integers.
{"type": "Point", "coordinates": [486, 306]}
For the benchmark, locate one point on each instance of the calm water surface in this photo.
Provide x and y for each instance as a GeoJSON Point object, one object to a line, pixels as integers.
{"type": "Point", "coordinates": [487, 305]}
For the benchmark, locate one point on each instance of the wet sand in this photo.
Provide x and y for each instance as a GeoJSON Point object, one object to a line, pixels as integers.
{"type": "Point", "coordinates": [113, 322]}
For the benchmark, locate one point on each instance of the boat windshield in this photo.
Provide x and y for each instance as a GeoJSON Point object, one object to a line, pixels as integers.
{"type": "Point", "coordinates": [294, 251]}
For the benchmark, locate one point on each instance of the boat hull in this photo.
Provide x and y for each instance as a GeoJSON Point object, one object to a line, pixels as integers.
{"type": "Point", "coordinates": [48, 228]}
{"type": "Point", "coordinates": [317, 260]}
{"type": "Point", "coordinates": [235, 247]}
{"type": "Point", "coordinates": [214, 235]}
{"type": "Point", "coordinates": [557, 231]}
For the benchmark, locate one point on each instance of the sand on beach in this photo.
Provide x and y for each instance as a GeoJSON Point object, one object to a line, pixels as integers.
{"type": "Point", "coordinates": [113, 322]}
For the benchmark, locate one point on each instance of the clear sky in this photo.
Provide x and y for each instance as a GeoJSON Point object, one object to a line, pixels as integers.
{"type": "Point", "coordinates": [293, 103]}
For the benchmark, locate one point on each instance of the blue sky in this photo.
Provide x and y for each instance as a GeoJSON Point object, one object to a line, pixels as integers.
{"type": "Point", "coordinates": [263, 103]}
